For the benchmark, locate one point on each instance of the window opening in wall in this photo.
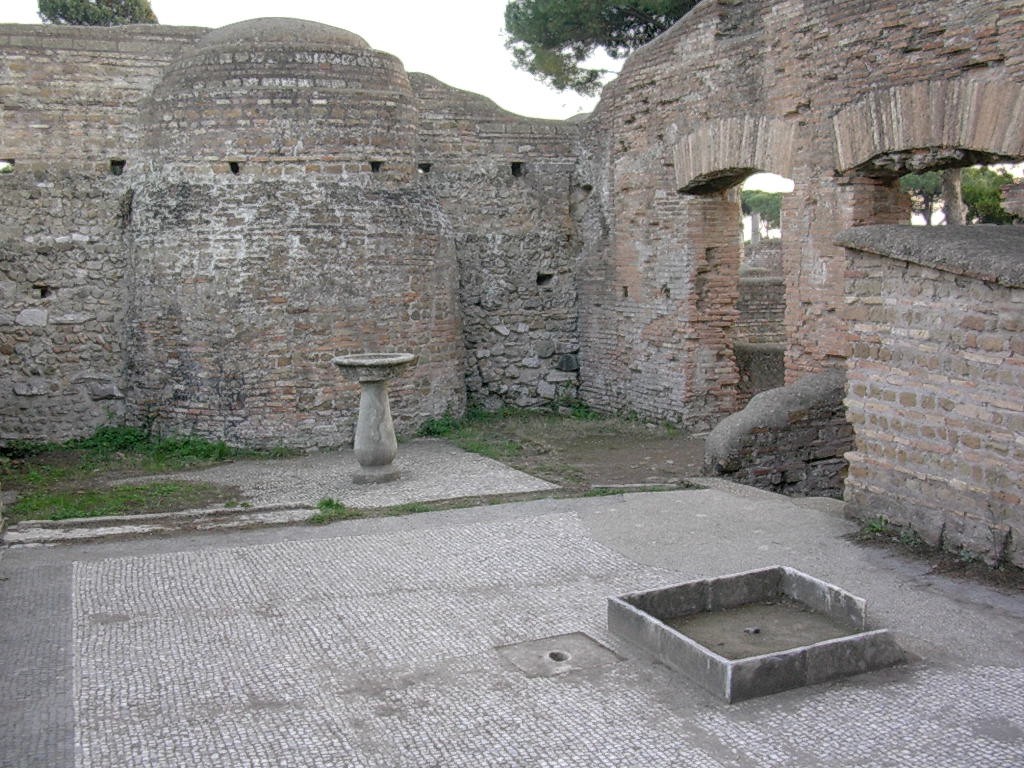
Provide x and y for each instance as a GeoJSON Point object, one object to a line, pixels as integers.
{"type": "Point", "coordinates": [977, 194]}
{"type": "Point", "coordinates": [423, 168]}
{"type": "Point", "coordinates": [544, 278]}
{"type": "Point", "coordinates": [234, 166]}
{"type": "Point", "coordinates": [7, 165]}
{"type": "Point", "coordinates": [761, 201]}
{"type": "Point", "coordinates": [376, 166]}
{"type": "Point", "coordinates": [43, 291]}
{"type": "Point", "coordinates": [117, 166]}
{"type": "Point", "coordinates": [518, 169]}
{"type": "Point", "coordinates": [666, 292]}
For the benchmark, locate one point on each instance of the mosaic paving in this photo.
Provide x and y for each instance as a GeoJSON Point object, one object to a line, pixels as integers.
{"type": "Point", "coordinates": [380, 650]}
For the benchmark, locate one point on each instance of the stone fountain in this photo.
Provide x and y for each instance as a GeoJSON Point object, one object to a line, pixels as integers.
{"type": "Point", "coordinates": [375, 445]}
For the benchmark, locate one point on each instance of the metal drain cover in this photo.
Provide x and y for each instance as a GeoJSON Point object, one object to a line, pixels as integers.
{"type": "Point", "coordinates": [552, 656]}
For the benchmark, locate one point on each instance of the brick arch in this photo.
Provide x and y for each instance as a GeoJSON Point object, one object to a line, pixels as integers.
{"type": "Point", "coordinates": [723, 152]}
{"type": "Point", "coordinates": [985, 118]}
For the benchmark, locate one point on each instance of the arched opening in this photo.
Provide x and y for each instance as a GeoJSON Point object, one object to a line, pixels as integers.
{"type": "Point", "coordinates": [759, 334]}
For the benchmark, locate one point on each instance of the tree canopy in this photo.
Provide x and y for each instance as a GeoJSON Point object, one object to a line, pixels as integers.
{"type": "Point", "coordinates": [980, 189]}
{"type": "Point", "coordinates": [96, 13]}
{"type": "Point", "coordinates": [551, 39]}
{"type": "Point", "coordinates": [767, 204]}
{"type": "Point", "coordinates": [982, 193]}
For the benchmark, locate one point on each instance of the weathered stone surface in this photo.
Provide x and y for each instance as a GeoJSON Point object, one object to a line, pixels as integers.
{"type": "Point", "coordinates": [790, 439]}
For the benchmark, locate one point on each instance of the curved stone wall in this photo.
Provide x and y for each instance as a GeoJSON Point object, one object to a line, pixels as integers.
{"type": "Point", "coordinates": [243, 290]}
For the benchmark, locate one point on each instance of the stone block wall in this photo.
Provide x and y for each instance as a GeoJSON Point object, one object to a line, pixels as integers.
{"type": "Point", "coordinates": [789, 440]}
{"type": "Point", "coordinates": [62, 266]}
{"type": "Point", "coordinates": [503, 181]}
{"type": "Point", "coordinates": [935, 380]}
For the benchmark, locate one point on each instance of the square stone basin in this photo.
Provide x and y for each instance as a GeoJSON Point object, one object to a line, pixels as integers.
{"type": "Point", "coordinates": [755, 633]}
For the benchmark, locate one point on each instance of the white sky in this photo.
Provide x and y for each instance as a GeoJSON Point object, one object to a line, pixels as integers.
{"type": "Point", "coordinates": [460, 42]}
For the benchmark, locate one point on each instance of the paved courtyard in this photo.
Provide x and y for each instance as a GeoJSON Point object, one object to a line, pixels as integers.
{"type": "Point", "coordinates": [392, 642]}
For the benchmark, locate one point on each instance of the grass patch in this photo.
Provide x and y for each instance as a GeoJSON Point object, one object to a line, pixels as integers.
{"type": "Point", "coordinates": [57, 481]}
{"type": "Point", "coordinates": [116, 500]}
{"type": "Point", "coordinates": [330, 511]}
{"type": "Point", "coordinates": [116, 452]}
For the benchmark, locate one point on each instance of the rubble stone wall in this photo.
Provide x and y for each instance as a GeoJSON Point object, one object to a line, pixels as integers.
{"type": "Point", "coordinates": [62, 266]}
{"type": "Point", "coordinates": [504, 182]}
{"type": "Point", "coordinates": [935, 379]}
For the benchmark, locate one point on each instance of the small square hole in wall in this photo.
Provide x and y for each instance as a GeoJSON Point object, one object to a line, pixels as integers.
{"type": "Point", "coordinates": [666, 293]}
{"type": "Point", "coordinates": [625, 291]}
{"type": "Point", "coordinates": [117, 166]}
{"type": "Point", "coordinates": [43, 291]}
{"type": "Point", "coordinates": [234, 166]}
{"type": "Point", "coordinates": [518, 169]}
{"type": "Point", "coordinates": [545, 278]}
{"type": "Point", "coordinates": [376, 166]}
{"type": "Point", "coordinates": [423, 168]}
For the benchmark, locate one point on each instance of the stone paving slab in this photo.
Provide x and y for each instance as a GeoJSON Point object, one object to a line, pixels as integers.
{"type": "Point", "coordinates": [285, 491]}
{"type": "Point", "coordinates": [379, 643]}
{"type": "Point", "coordinates": [431, 469]}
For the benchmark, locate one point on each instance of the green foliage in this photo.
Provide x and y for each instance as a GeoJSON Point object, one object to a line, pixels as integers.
{"type": "Point", "coordinates": [440, 427]}
{"type": "Point", "coordinates": [101, 502]}
{"type": "Point", "coordinates": [551, 39]}
{"type": "Point", "coordinates": [97, 13]}
{"type": "Point", "coordinates": [925, 190]}
{"type": "Point", "coordinates": [410, 508]}
{"type": "Point", "coordinates": [331, 511]}
{"type": "Point", "coordinates": [767, 204]}
{"type": "Point", "coordinates": [981, 192]}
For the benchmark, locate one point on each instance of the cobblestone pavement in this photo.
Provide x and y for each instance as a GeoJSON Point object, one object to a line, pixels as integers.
{"type": "Point", "coordinates": [384, 642]}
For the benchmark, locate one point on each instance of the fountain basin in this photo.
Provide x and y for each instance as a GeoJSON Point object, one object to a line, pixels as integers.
{"type": "Point", "coordinates": [373, 366]}
{"type": "Point", "coordinates": [746, 635]}
{"type": "Point", "coordinates": [375, 443]}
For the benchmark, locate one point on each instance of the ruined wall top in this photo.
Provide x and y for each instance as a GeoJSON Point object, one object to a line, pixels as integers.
{"type": "Point", "coordinates": [987, 252]}
{"type": "Point", "coordinates": [281, 88]}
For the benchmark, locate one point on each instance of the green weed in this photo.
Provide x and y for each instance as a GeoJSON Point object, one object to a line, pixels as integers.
{"type": "Point", "coordinates": [101, 502]}
{"type": "Point", "coordinates": [331, 511]}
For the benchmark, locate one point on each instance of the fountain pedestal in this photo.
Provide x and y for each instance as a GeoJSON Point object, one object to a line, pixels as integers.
{"type": "Point", "coordinates": [375, 444]}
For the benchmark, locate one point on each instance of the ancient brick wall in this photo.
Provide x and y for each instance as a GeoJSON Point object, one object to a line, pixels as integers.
{"type": "Point", "coordinates": [70, 96]}
{"type": "Point", "coordinates": [242, 205]}
{"type": "Point", "coordinates": [503, 181]}
{"type": "Point", "coordinates": [827, 94]}
{"type": "Point", "coordinates": [765, 256]}
{"type": "Point", "coordinates": [935, 379]}
{"type": "Point", "coordinates": [761, 309]}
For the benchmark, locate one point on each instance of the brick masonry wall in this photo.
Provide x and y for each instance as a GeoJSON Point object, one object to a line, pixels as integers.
{"type": "Point", "coordinates": [761, 308]}
{"type": "Point", "coordinates": [72, 94]}
{"type": "Point", "coordinates": [765, 256]}
{"type": "Point", "coordinates": [935, 380]}
{"type": "Point", "coordinates": [788, 66]}
{"type": "Point", "coordinates": [243, 288]}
